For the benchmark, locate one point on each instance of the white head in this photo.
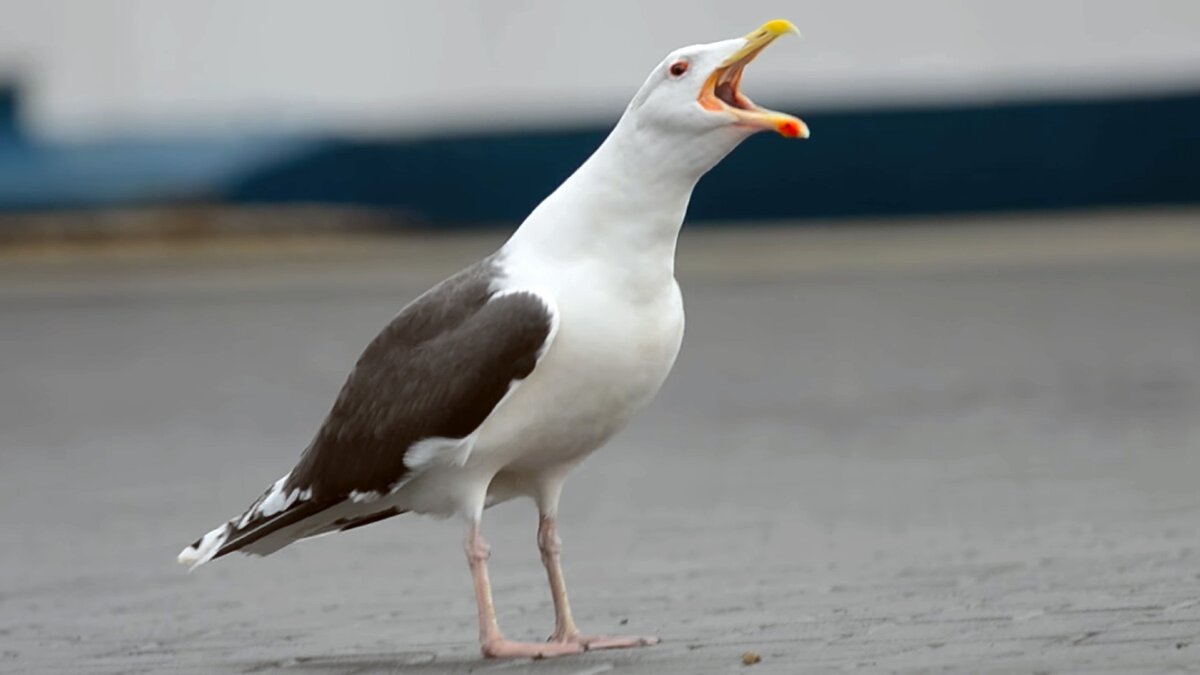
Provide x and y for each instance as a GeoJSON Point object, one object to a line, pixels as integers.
{"type": "Point", "coordinates": [629, 198]}
{"type": "Point", "coordinates": [694, 95]}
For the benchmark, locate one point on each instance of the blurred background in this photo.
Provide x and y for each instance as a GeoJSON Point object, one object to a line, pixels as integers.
{"type": "Point", "coordinates": [467, 113]}
{"type": "Point", "coordinates": [938, 405]}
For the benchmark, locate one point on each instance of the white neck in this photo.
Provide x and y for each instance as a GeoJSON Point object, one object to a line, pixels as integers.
{"type": "Point", "coordinates": [624, 206]}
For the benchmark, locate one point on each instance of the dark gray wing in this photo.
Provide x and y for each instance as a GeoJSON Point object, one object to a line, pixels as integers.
{"type": "Point", "coordinates": [437, 370]}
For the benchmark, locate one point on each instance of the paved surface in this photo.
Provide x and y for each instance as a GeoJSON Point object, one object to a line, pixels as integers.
{"type": "Point", "coordinates": [897, 449]}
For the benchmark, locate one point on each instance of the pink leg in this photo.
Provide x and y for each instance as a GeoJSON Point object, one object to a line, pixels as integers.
{"type": "Point", "coordinates": [565, 631]}
{"type": "Point", "coordinates": [491, 641]}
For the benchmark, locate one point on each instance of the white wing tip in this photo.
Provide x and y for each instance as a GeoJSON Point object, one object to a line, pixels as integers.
{"type": "Point", "coordinates": [189, 557]}
{"type": "Point", "coordinates": [202, 551]}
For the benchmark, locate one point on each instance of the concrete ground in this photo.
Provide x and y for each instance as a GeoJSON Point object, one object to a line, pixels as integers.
{"type": "Point", "coordinates": [905, 447]}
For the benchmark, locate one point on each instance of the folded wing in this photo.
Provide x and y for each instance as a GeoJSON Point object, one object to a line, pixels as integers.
{"type": "Point", "coordinates": [434, 374]}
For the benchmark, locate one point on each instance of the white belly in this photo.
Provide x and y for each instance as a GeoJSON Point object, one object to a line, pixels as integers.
{"type": "Point", "coordinates": [609, 358]}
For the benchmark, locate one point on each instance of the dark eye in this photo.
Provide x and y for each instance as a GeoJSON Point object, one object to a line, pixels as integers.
{"type": "Point", "coordinates": [678, 68]}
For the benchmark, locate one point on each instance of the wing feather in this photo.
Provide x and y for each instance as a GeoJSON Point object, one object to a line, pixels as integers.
{"type": "Point", "coordinates": [435, 371]}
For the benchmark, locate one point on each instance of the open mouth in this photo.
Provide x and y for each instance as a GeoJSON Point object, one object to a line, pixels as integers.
{"type": "Point", "coordinates": [722, 91]}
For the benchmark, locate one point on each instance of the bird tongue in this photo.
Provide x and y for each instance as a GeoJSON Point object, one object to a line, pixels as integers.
{"type": "Point", "coordinates": [727, 92]}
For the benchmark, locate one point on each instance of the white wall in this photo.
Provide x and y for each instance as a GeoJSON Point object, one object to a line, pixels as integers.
{"type": "Point", "coordinates": [130, 66]}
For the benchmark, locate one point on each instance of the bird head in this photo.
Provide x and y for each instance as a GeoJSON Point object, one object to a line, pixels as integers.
{"type": "Point", "coordinates": [697, 89]}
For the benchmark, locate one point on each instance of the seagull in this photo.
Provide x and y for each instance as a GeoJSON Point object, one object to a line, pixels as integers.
{"type": "Point", "coordinates": [498, 381]}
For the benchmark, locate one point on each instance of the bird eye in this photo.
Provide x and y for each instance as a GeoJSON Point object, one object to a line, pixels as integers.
{"type": "Point", "coordinates": [678, 68]}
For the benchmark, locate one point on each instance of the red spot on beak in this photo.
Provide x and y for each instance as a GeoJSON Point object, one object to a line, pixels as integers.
{"type": "Point", "coordinates": [789, 129]}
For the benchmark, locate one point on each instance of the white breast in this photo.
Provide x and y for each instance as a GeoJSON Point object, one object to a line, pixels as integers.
{"type": "Point", "coordinates": [614, 348]}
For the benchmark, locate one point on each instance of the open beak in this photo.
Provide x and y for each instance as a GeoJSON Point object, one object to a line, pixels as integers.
{"type": "Point", "coordinates": [721, 92]}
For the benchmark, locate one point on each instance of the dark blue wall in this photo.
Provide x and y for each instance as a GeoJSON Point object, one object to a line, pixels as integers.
{"type": "Point", "coordinates": [1043, 155]}
{"type": "Point", "coordinates": [9, 128]}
